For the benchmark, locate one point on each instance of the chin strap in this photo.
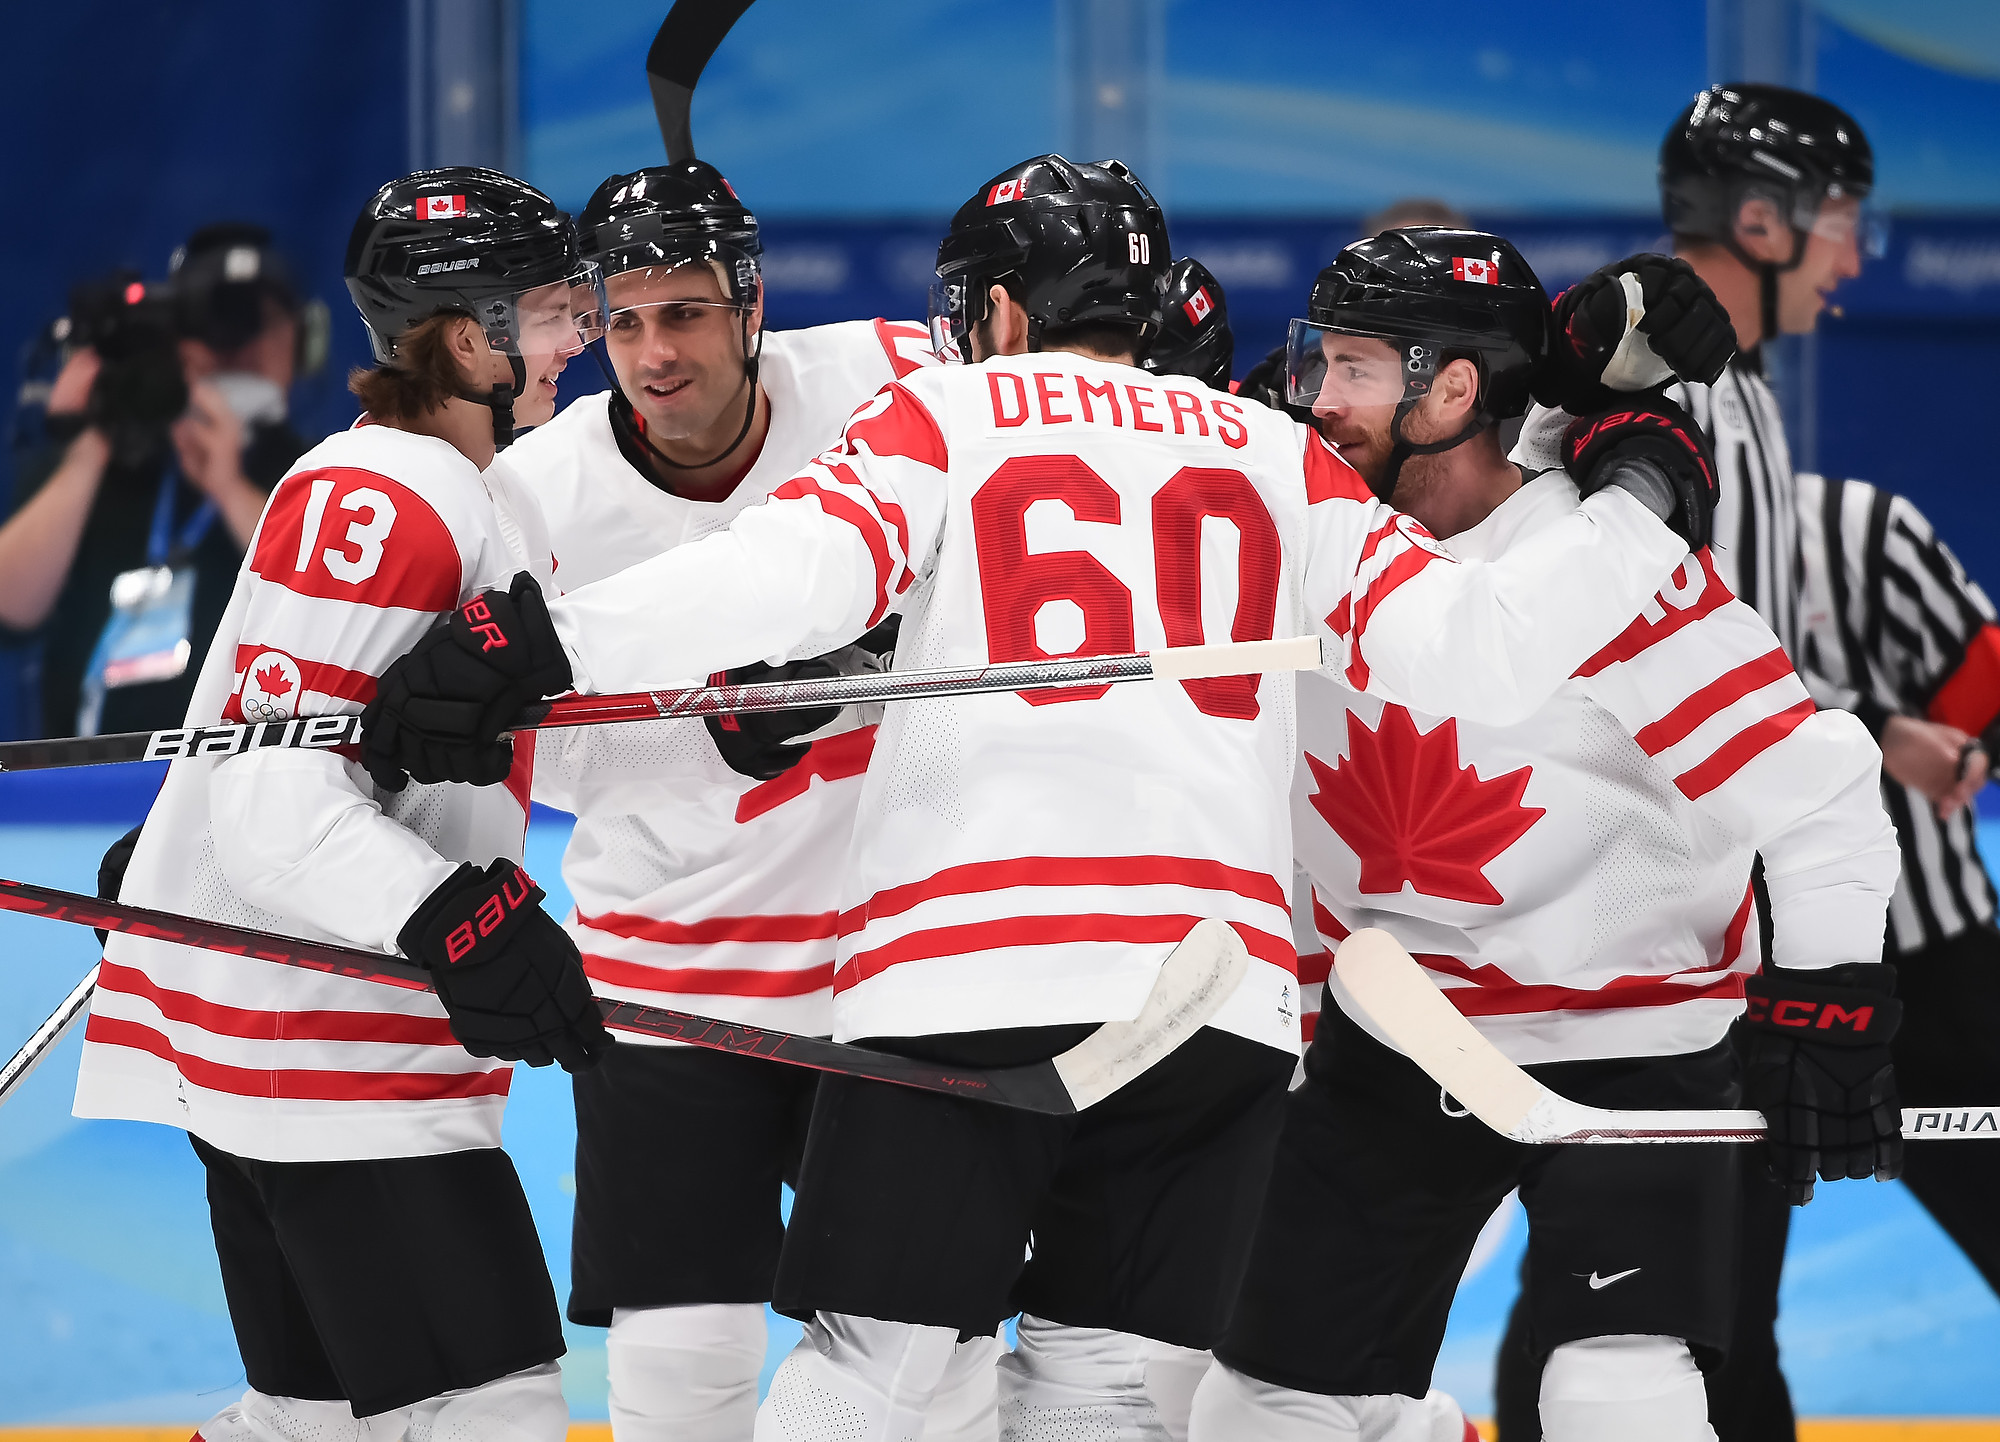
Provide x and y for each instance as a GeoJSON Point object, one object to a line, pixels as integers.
{"type": "Point", "coordinates": [1403, 449]}
{"type": "Point", "coordinates": [1767, 279]}
{"type": "Point", "coordinates": [751, 357]}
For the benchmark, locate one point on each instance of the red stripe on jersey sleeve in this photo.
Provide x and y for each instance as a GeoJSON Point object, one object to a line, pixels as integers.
{"type": "Point", "coordinates": [1970, 697]}
{"type": "Point", "coordinates": [708, 980]}
{"type": "Point", "coordinates": [906, 344]}
{"type": "Point", "coordinates": [841, 508]}
{"type": "Point", "coordinates": [1741, 749]}
{"type": "Point", "coordinates": [220, 1020]}
{"type": "Point", "coordinates": [982, 876]}
{"type": "Point", "coordinates": [1329, 478]}
{"type": "Point", "coordinates": [943, 941]}
{"type": "Point", "coordinates": [776, 926]}
{"type": "Point", "coordinates": [335, 681]}
{"type": "Point", "coordinates": [1379, 590]}
{"type": "Point", "coordinates": [1724, 691]}
{"type": "Point", "coordinates": [1617, 995]}
{"type": "Point", "coordinates": [299, 1085]}
{"type": "Point", "coordinates": [375, 542]}
{"type": "Point", "coordinates": [1315, 967]}
{"type": "Point", "coordinates": [1681, 610]}
{"type": "Point", "coordinates": [896, 423]}
{"type": "Point", "coordinates": [834, 758]}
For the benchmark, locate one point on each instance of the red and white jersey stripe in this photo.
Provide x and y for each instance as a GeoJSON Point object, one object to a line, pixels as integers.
{"type": "Point", "coordinates": [371, 536]}
{"type": "Point", "coordinates": [696, 887]}
{"type": "Point", "coordinates": [1028, 859]}
{"type": "Point", "coordinates": [1578, 883]}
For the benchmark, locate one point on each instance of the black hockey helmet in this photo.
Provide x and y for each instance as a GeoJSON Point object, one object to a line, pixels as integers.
{"type": "Point", "coordinates": [1076, 244]}
{"type": "Point", "coordinates": [669, 215]}
{"type": "Point", "coordinates": [1434, 295]}
{"type": "Point", "coordinates": [467, 239]}
{"type": "Point", "coordinates": [1742, 140]}
{"type": "Point", "coordinates": [663, 217]}
{"type": "Point", "coordinates": [1194, 338]}
{"type": "Point", "coordinates": [222, 278]}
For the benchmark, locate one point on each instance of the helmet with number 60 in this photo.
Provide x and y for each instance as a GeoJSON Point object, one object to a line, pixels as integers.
{"type": "Point", "coordinates": [1075, 244]}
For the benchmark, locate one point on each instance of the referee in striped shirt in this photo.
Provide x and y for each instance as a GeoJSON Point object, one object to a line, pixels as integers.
{"type": "Point", "coordinates": [1762, 187]}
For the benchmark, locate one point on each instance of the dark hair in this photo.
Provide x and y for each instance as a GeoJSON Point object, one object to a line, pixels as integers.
{"type": "Point", "coordinates": [423, 377]}
{"type": "Point", "coordinates": [1105, 336]}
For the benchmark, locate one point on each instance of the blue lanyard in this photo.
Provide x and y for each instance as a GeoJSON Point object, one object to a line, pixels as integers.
{"type": "Point", "coordinates": [191, 534]}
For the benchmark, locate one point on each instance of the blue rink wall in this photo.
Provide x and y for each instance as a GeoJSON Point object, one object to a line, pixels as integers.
{"type": "Point", "coordinates": [111, 1309]}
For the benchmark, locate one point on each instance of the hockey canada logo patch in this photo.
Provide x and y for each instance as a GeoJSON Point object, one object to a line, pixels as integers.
{"type": "Point", "coordinates": [271, 686]}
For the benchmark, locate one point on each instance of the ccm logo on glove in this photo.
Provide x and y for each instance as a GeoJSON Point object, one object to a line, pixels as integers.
{"type": "Point", "coordinates": [516, 891]}
{"type": "Point", "coordinates": [479, 616]}
{"type": "Point", "coordinates": [1790, 1011]}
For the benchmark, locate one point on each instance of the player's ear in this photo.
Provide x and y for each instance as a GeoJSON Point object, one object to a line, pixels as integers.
{"type": "Point", "coordinates": [757, 309]}
{"type": "Point", "coordinates": [1457, 389]}
{"type": "Point", "coordinates": [1761, 231]}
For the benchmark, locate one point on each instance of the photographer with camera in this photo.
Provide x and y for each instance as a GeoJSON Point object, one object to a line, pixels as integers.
{"type": "Point", "coordinates": [166, 430]}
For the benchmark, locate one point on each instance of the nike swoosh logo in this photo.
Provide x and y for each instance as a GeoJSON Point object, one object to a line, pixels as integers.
{"type": "Point", "coordinates": [1597, 1283]}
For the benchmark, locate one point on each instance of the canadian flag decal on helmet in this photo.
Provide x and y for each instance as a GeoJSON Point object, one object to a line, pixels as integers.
{"type": "Point", "coordinates": [1472, 268]}
{"type": "Point", "coordinates": [1005, 190]}
{"type": "Point", "coordinates": [1198, 306]}
{"type": "Point", "coordinates": [440, 207]}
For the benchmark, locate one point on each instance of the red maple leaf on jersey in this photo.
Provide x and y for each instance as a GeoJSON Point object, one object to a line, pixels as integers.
{"type": "Point", "coordinates": [1413, 815]}
{"type": "Point", "coordinates": [272, 680]}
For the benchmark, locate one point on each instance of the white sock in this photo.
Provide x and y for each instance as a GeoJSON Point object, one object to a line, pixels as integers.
{"type": "Point", "coordinates": [685, 1374]}
{"type": "Point", "coordinates": [1634, 1388]}
{"type": "Point", "coordinates": [524, 1406]}
{"type": "Point", "coordinates": [856, 1379]}
{"type": "Point", "coordinates": [1062, 1383]}
{"type": "Point", "coordinates": [1230, 1407]}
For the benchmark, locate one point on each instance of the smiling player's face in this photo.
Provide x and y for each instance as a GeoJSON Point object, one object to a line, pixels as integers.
{"type": "Point", "coordinates": [676, 344]}
{"type": "Point", "coordinates": [1356, 404]}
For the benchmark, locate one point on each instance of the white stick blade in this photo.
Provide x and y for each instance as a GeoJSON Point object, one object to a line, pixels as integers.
{"type": "Point", "coordinates": [1385, 981]}
{"type": "Point", "coordinates": [1197, 977]}
{"type": "Point", "coordinates": [1236, 658]}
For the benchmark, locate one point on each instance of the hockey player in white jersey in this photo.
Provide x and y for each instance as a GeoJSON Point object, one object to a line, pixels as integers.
{"type": "Point", "coordinates": [1578, 884]}
{"type": "Point", "coordinates": [707, 858]}
{"type": "Point", "coordinates": [381, 1268]}
{"type": "Point", "coordinates": [1022, 863]}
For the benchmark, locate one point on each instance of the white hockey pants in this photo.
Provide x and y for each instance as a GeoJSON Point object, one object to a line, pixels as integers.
{"type": "Point", "coordinates": [685, 1374]}
{"type": "Point", "coordinates": [1637, 1389]}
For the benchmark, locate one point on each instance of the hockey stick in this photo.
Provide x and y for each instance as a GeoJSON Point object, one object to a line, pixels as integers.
{"type": "Point", "coordinates": [687, 39]}
{"type": "Point", "coordinates": [1392, 990]}
{"type": "Point", "coordinates": [43, 1039]}
{"type": "Point", "coordinates": [1172, 663]}
{"type": "Point", "coordinates": [1197, 977]}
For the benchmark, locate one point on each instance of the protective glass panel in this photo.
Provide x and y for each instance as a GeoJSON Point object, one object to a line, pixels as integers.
{"type": "Point", "coordinates": [949, 327]}
{"type": "Point", "coordinates": [560, 318]}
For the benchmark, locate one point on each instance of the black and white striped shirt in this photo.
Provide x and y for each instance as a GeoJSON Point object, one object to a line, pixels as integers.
{"type": "Point", "coordinates": [1756, 530]}
{"type": "Point", "coordinates": [1888, 619]}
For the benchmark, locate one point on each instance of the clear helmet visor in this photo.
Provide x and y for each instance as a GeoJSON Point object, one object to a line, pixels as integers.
{"type": "Point", "coordinates": [1846, 221]}
{"type": "Point", "coordinates": [950, 327]}
{"type": "Point", "coordinates": [687, 298]}
{"type": "Point", "coordinates": [1328, 368]}
{"type": "Point", "coordinates": [559, 318]}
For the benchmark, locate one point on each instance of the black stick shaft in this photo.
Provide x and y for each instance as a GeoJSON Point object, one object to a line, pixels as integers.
{"type": "Point", "coordinates": [1033, 1088]}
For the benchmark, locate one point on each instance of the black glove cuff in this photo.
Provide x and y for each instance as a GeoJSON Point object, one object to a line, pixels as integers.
{"type": "Point", "coordinates": [470, 916]}
{"type": "Point", "coordinates": [1848, 1005]}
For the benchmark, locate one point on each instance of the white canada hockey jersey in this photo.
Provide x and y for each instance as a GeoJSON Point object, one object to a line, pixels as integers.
{"type": "Point", "coordinates": [1029, 859]}
{"type": "Point", "coordinates": [370, 537]}
{"type": "Point", "coordinates": [1756, 526]}
{"type": "Point", "coordinates": [697, 887]}
{"type": "Point", "coordinates": [1578, 883]}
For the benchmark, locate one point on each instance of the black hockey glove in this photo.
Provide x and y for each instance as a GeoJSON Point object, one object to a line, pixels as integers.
{"type": "Point", "coordinates": [755, 743]}
{"type": "Point", "coordinates": [1640, 323]}
{"type": "Point", "coordinates": [111, 872]}
{"type": "Point", "coordinates": [1648, 427]}
{"type": "Point", "coordinates": [1817, 1065]}
{"type": "Point", "coordinates": [438, 712]}
{"type": "Point", "coordinates": [509, 977]}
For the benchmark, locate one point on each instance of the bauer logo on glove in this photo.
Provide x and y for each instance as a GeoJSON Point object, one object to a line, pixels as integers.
{"type": "Point", "coordinates": [517, 889]}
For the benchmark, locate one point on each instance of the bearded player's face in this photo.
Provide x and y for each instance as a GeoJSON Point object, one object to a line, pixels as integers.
{"type": "Point", "coordinates": [676, 343]}
{"type": "Point", "coordinates": [1356, 405]}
